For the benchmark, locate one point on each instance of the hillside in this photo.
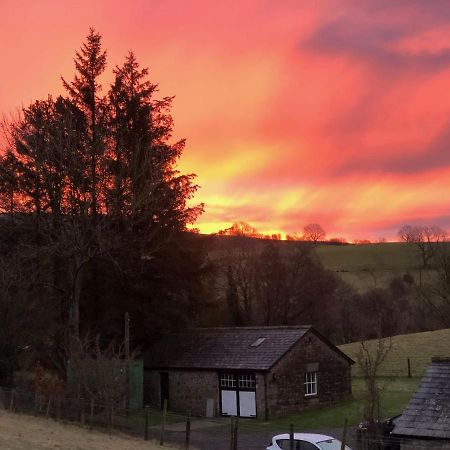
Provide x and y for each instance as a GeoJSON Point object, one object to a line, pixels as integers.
{"type": "Point", "coordinates": [419, 347]}
{"type": "Point", "coordinates": [372, 265]}
{"type": "Point", "coordinates": [364, 266]}
{"type": "Point", "coordinates": [21, 432]}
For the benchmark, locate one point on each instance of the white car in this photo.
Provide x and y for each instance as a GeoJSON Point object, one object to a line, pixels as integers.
{"type": "Point", "coordinates": [306, 441]}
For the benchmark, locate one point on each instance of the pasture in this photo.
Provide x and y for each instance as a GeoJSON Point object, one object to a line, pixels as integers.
{"type": "Point", "coordinates": [418, 347]}
{"type": "Point", "coordinates": [21, 432]}
{"type": "Point", "coordinates": [363, 266]}
{"type": "Point", "coordinates": [373, 265]}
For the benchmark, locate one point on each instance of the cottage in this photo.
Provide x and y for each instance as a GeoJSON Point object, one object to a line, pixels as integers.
{"type": "Point", "coordinates": [425, 423]}
{"type": "Point", "coordinates": [247, 372]}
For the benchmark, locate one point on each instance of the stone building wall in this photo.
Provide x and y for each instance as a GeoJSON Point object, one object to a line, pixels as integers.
{"type": "Point", "coordinates": [285, 382]}
{"type": "Point", "coordinates": [278, 392]}
{"type": "Point", "coordinates": [188, 390]}
{"type": "Point", "coordinates": [422, 444]}
{"type": "Point", "coordinates": [260, 397]}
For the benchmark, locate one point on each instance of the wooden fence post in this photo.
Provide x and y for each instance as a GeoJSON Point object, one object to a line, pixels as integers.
{"type": "Point", "coordinates": [291, 436]}
{"type": "Point", "coordinates": [364, 438]}
{"type": "Point", "coordinates": [82, 418]}
{"type": "Point", "coordinates": [231, 432]}
{"type": "Point", "coordinates": [91, 415]}
{"type": "Point", "coordinates": [146, 423]}
{"type": "Point", "coordinates": [235, 434]}
{"type": "Point", "coordinates": [35, 403]}
{"type": "Point", "coordinates": [163, 423]}
{"type": "Point", "coordinates": [344, 434]}
{"type": "Point", "coordinates": [409, 368]}
{"type": "Point", "coordinates": [58, 408]}
{"type": "Point", "coordinates": [11, 403]}
{"type": "Point", "coordinates": [188, 433]}
{"type": "Point", "coordinates": [47, 412]}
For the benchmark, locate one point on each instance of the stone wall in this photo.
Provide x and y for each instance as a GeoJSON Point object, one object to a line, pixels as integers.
{"type": "Point", "coordinates": [188, 390]}
{"type": "Point", "coordinates": [422, 444]}
{"type": "Point", "coordinates": [260, 397]}
{"type": "Point", "coordinates": [285, 382]}
{"type": "Point", "coordinates": [278, 392]}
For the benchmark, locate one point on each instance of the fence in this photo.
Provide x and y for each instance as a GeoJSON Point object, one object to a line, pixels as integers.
{"type": "Point", "coordinates": [180, 430]}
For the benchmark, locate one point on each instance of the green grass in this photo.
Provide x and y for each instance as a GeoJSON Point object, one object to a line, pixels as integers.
{"type": "Point", "coordinates": [394, 398]}
{"type": "Point", "coordinates": [419, 347]}
{"type": "Point", "coordinates": [363, 266]}
{"type": "Point", "coordinates": [375, 265]}
{"type": "Point", "coordinates": [387, 256]}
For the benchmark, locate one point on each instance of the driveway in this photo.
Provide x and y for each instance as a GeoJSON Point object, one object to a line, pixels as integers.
{"type": "Point", "coordinates": [215, 435]}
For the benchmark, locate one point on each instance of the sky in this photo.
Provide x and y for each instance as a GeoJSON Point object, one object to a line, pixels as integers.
{"type": "Point", "coordinates": [295, 111]}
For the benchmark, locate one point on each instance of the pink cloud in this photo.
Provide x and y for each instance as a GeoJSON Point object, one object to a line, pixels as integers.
{"type": "Point", "coordinates": [293, 111]}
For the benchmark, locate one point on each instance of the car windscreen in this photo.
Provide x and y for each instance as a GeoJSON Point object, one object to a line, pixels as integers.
{"type": "Point", "coordinates": [331, 444]}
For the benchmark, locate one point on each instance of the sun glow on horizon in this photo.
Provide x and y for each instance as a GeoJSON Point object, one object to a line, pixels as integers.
{"type": "Point", "coordinates": [293, 113]}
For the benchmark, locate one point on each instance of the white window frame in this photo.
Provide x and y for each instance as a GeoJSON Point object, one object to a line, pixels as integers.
{"type": "Point", "coordinates": [310, 384]}
{"type": "Point", "coordinates": [227, 380]}
{"type": "Point", "coordinates": [246, 381]}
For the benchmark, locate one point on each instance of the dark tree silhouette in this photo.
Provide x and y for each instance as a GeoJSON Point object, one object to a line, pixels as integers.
{"type": "Point", "coordinates": [313, 232]}
{"type": "Point", "coordinates": [90, 186]}
{"type": "Point", "coordinates": [426, 239]}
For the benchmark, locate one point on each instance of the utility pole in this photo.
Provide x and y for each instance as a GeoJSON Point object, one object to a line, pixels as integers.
{"type": "Point", "coordinates": [127, 336]}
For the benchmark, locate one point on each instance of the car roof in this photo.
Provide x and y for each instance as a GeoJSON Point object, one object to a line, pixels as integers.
{"type": "Point", "coordinates": [309, 437]}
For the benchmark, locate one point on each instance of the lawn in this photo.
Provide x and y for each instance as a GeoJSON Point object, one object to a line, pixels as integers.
{"type": "Point", "coordinates": [418, 347]}
{"type": "Point", "coordinates": [396, 394]}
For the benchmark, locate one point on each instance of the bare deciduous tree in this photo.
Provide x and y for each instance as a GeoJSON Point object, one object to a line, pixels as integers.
{"type": "Point", "coordinates": [426, 238]}
{"type": "Point", "coordinates": [369, 360]}
{"type": "Point", "coordinates": [313, 232]}
{"type": "Point", "coordinates": [101, 372]}
{"type": "Point", "coordinates": [242, 229]}
{"type": "Point", "coordinates": [436, 293]}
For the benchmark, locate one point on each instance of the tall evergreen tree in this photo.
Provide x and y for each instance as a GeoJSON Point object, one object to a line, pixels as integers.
{"type": "Point", "coordinates": [95, 178]}
{"type": "Point", "coordinates": [84, 91]}
{"type": "Point", "coordinates": [145, 185]}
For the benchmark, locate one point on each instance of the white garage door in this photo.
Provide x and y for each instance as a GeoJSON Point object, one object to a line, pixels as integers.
{"type": "Point", "coordinates": [247, 404]}
{"type": "Point", "coordinates": [229, 403]}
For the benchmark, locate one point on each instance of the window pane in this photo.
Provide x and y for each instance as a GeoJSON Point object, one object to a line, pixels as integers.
{"type": "Point", "coordinates": [310, 383]}
{"type": "Point", "coordinates": [303, 445]}
{"type": "Point", "coordinates": [331, 444]}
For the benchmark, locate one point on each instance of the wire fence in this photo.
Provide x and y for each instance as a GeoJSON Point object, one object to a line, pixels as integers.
{"type": "Point", "coordinates": [179, 430]}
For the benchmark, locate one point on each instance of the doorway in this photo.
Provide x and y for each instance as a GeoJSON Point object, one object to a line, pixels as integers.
{"type": "Point", "coordinates": [164, 384]}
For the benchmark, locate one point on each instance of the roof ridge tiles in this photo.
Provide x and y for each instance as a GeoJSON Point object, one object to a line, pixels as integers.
{"type": "Point", "coordinates": [262, 328]}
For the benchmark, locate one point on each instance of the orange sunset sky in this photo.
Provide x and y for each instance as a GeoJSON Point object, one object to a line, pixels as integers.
{"type": "Point", "coordinates": [336, 112]}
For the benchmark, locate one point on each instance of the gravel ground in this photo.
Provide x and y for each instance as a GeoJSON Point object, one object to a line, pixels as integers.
{"type": "Point", "coordinates": [218, 438]}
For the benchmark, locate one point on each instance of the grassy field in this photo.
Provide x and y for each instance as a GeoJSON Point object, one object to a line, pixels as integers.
{"type": "Point", "coordinates": [419, 347]}
{"type": "Point", "coordinates": [387, 256]}
{"type": "Point", "coordinates": [374, 265]}
{"type": "Point", "coordinates": [21, 432]}
{"type": "Point", "coordinates": [362, 266]}
{"type": "Point", "coordinates": [395, 396]}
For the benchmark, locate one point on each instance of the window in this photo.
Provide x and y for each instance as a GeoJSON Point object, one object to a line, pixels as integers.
{"type": "Point", "coordinates": [241, 380]}
{"type": "Point", "coordinates": [258, 342]}
{"type": "Point", "coordinates": [331, 444]}
{"type": "Point", "coordinates": [298, 445]}
{"type": "Point", "coordinates": [227, 380]}
{"type": "Point", "coordinates": [310, 383]}
{"type": "Point", "coordinates": [247, 380]}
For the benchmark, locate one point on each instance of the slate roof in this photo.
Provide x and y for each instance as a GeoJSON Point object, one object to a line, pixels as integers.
{"type": "Point", "coordinates": [428, 412]}
{"type": "Point", "coordinates": [225, 348]}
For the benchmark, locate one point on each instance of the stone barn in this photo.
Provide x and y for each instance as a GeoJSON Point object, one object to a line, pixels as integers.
{"type": "Point", "coordinates": [248, 371]}
{"type": "Point", "coordinates": [425, 423]}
